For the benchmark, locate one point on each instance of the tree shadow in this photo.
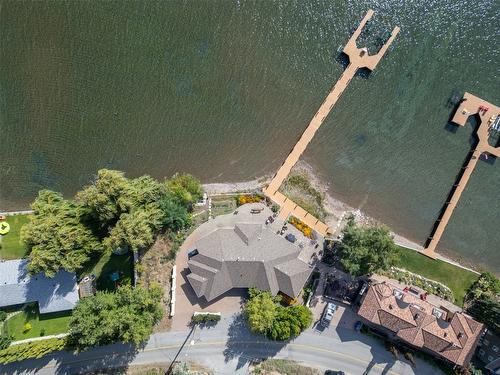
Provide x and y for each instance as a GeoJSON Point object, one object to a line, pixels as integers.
{"type": "Point", "coordinates": [123, 264]}
{"type": "Point", "coordinates": [67, 362]}
{"type": "Point", "coordinates": [246, 346]}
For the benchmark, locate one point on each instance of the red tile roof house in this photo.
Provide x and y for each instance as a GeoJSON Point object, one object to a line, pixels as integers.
{"type": "Point", "coordinates": [452, 336]}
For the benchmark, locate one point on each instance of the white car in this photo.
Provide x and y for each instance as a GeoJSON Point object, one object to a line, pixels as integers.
{"type": "Point", "coordinates": [327, 316]}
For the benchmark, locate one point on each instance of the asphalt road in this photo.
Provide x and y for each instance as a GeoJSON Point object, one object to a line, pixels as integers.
{"type": "Point", "coordinates": [229, 348]}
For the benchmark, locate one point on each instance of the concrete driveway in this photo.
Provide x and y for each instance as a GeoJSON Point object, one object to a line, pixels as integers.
{"type": "Point", "coordinates": [185, 299]}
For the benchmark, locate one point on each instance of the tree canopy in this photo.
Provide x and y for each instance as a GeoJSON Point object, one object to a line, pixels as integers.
{"type": "Point", "coordinates": [486, 311]}
{"type": "Point", "coordinates": [135, 230]}
{"type": "Point", "coordinates": [483, 301]}
{"type": "Point", "coordinates": [185, 188]}
{"type": "Point", "coordinates": [266, 316]}
{"type": "Point", "coordinates": [112, 212]}
{"type": "Point", "coordinates": [101, 197]}
{"type": "Point", "coordinates": [56, 237]}
{"type": "Point", "coordinates": [364, 250]}
{"type": "Point", "coordinates": [127, 315]}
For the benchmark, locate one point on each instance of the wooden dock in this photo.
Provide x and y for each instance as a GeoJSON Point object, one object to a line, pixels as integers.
{"type": "Point", "coordinates": [469, 106]}
{"type": "Point", "coordinates": [358, 58]}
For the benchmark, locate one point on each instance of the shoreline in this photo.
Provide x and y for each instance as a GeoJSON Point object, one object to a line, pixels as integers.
{"type": "Point", "coordinates": [338, 211]}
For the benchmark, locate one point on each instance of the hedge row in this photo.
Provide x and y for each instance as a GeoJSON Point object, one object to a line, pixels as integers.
{"type": "Point", "coordinates": [34, 349]}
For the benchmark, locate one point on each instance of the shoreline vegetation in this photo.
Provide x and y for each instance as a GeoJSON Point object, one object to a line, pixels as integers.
{"type": "Point", "coordinates": [336, 210]}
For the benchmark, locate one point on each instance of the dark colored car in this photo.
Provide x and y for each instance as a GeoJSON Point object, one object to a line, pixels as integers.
{"type": "Point", "coordinates": [332, 372]}
{"type": "Point", "coordinates": [357, 326]}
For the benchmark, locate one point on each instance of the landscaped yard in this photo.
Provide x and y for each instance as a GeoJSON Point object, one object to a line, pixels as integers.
{"type": "Point", "coordinates": [44, 325]}
{"type": "Point", "coordinates": [456, 278]}
{"type": "Point", "coordinates": [223, 205]}
{"type": "Point", "coordinates": [10, 244]}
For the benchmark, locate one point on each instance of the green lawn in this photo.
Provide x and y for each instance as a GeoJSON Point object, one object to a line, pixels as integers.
{"type": "Point", "coordinates": [456, 278]}
{"type": "Point", "coordinates": [10, 244]}
{"type": "Point", "coordinates": [44, 325]}
{"type": "Point", "coordinates": [104, 266]}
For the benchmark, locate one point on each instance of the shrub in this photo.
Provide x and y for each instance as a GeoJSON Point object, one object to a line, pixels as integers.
{"type": "Point", "coordinates": [249, 198]}
{"type": "Point", "coordinates": [409, 357]}
{"type": "Point", "coordinates": [27, 327]}
{"type": "Point", "coordinates": [3, 316]}
{"type": "Point", "coordinates": [306, 230]}
{"type": "Point", "coordinates": [34, 349]}
{"type": "Point", "coordinates": [265, 315]}
{"type": "Point", "coordinates": [275, 208]}
{"type": "Point", "coordinates": [5, 341]}
{"type": "Point", "coordinates": [205, 318]}
{"type": "Point", "coordinates": [392, 348]}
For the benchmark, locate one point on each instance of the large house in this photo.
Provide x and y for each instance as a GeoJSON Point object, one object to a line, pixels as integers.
{"type": "Point", "coordinates": [403, 316]}
{"type": "Point", "coordinates": [242, 251]}
{"type": "Point", "coordinates": [18, 287]}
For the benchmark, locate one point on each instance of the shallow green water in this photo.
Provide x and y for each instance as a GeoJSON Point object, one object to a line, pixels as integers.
{"type": "Point", "coordinates": [223, 90]}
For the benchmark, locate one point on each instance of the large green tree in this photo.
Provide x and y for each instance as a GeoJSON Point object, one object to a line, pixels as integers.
{"type": "Point", "coordinates": [486, 311]}
{"type": "Point", "coordinates": [135, 230]}
{"type": "Point", "coordinates": [185, 188]}
{"type": "Point", "coordinates": [266, 316]}
{"type": "Point", "coordinates": [56, 237]}
{"type": "Point", "coordinates": [365, 250]}
{"type": "Point", "coordinates": [140, 192]}
{"type": "Point", "coordinates": [486, 286]}
{"type": "Point", "coordinates": [260, 311]}
{"type": "Point", "coordinates": [175, 216]}
{"type": "Point", "coordinates": [127, 315]}
{"type": "Point", "coordinates": [102, 196]}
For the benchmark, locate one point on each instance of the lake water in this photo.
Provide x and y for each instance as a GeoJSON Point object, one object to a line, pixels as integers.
{"type": "Point", "coordinates": [223, 89]}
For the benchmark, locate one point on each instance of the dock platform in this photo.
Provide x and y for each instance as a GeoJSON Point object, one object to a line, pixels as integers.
{"type": "Point", "coordinates": [470, 106]}
{"type": "Point", "coordinates": [358, 58]}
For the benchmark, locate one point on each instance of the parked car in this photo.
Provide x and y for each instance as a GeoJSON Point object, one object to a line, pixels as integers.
{"type": "Point", "coordinates": [357, 326]}
{"type": "Point", "coordinates": [332, 372]}
{"type": "Point", "coordinates": [328, 312]}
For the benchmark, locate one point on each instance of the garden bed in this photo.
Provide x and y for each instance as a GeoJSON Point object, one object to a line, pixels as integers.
{"type": "Point", "coordinates": [430, 286]}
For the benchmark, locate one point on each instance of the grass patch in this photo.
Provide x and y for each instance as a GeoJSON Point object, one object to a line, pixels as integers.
{"type": "Point", "coordinates": [11, 246]}
{"type": "Point", "coordinates": [298, 188]}
{"type": "Point", "coordinates": [223, 206]}
{"type": "Point", "coordinates": [102, 267]}
{"type": "Point", "coordinates": [456, 278]}
{"type": "Point", "coordinates": [41, 325]}
{"type": "Point", "coordinates": [283, 367]}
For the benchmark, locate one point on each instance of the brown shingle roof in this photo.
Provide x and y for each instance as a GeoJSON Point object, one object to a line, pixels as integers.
{"type": "Point", "coordinates": [412, 320]}
{"type": "Point", "coordinates": [246, 254]}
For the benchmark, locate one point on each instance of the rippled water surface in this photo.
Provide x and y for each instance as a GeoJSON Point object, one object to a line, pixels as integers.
{"type": "Point", "coordinates": [223, 90]}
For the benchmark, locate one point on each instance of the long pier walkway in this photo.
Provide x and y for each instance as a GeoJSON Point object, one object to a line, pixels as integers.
{"type": "Point", "coordinates": [471, 105]}
{"type": "Point", "coordinates": [358, 58]}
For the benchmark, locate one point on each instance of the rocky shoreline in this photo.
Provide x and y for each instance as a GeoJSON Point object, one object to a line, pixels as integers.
{"type": "Point", "coordinates": [338, 210]}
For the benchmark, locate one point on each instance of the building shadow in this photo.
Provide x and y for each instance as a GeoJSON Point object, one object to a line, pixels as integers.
{"type": "Point", "coordinates": [246, 346]}
{"type": "Point", "coordinates": [380, 355]}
